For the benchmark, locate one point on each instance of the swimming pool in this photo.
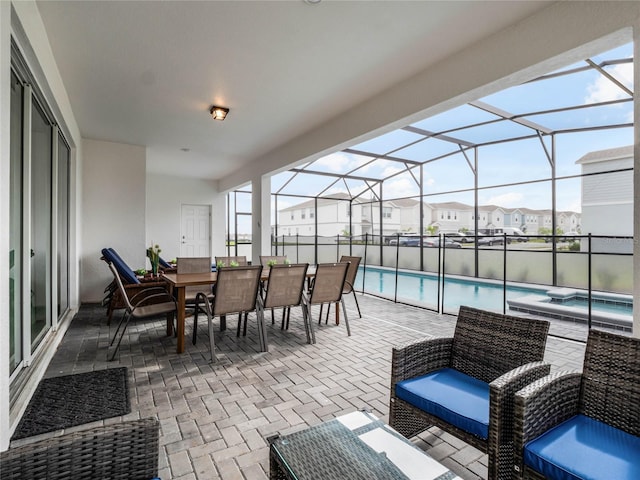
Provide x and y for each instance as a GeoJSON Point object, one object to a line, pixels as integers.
{"type": "Point", "coordinates": [421, 288]}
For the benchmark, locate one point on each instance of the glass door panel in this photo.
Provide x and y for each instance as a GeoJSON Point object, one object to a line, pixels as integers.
{"type": "Point", "coordinates": [15, 221]}
{"type": "Point", "coordinates": [40, 224]}
{"type": "Point", "coordinates": [63, 227]}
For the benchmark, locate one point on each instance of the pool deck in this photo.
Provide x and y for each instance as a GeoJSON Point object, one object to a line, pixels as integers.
{"type": "Point", "coordinates": [215, 417]}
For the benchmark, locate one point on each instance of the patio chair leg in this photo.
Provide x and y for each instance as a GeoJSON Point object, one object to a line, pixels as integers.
{"type": "Point", "coordinates": [212, 345]}
{"type": "Point", "coordinates": [195, 324]}
{"type": "Point", "coordinates": [320, 314]}
{"type": "Point", "coordinates": [307, 322]}
{"type": "Point", "coordinates": [239, 324]}
{"type": "Point", "coordinates": [355, 297]}
{"type": "Point", "coordinates": [114, 350]}
{"type": "Point", "coordinates": [346, 320]}
{"type": "Point", "coordinates": [326, 319]}
{"type": "Point", "coordinates": [262, 331]}
{"type": "Point", "coordinates": [244, 330]}
{"type": "Point", "coordinates": [223, 323]}
{"type": "Point", "coordinates": [115, 334]}
{"type": "Point", "coordinates": [288, 317]}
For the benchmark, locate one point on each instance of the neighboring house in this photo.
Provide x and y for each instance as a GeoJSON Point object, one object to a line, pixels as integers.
{"type": "Point", "coordinates": [607, 200]}
{"type": "Point", "coordinates": [403, 216]}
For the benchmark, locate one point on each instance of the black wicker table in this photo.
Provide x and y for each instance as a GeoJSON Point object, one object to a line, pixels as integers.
{"type": "Point", "coordinates": [355, 446]}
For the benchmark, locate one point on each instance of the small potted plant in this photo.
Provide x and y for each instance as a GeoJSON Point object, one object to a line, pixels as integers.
{"type": "Point", "coordinates": [271, 263]}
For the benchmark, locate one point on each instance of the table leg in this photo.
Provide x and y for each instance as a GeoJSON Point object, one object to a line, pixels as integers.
{"type": "Point", "coordinates": [180, 320]}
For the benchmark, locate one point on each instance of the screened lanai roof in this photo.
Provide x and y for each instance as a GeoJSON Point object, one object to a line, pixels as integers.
{"type": "Point", "coordinates": [525, 129]}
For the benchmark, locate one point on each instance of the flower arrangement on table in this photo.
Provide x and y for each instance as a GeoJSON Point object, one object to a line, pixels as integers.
{"type": "Point", "coordinates": [221, 264]}
{"type": "Point", "coordinates": [153, 252]}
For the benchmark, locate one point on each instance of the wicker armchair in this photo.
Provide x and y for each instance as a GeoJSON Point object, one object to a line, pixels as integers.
{"type": "Point", "coordinates": [122, 451]}
{"type": "Point", "coordinates": [466, 384]}
{"type": "Point", "coordinates": [565, 419]}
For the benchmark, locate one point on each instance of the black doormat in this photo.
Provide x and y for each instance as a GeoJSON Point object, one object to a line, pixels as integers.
{"type": "Point", "coordinates": [62, 402]}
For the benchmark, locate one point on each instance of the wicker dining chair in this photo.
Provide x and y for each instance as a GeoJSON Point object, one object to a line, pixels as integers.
{"type": "Point", "coordinates": [150, 302]}
{"type": "Point", "coordinates": [465, 384]}
{"type": "Point", "coordinates": [326, 287]}
{"type": "Point", "coordinates": [285, 287]}
{"type": "Point", "coordinates": [563, 421]}
{"type": "Point", "coordinates": [236, 292]}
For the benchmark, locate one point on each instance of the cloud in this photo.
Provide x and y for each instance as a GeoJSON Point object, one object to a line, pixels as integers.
{"type": "Point", "coordinates": [603, 89]}
{"type": "Point", "coordinates": [508, 200]}
{"type": "Point", "coordinates": [403, 187]}
{"type": "Point", "coordinates": [339, 162]}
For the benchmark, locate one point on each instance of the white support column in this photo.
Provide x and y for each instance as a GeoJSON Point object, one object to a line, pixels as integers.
{"type": "Point", "coordinates": [260, 217]}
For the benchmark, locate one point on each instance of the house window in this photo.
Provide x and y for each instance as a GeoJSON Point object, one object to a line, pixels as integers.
{"type": "Point", "coordinates": [312, 214]}
{"type": "Point", "coordinates": [386, 212]}
{"type": "Point", "coordinates": [303, 215]}
{"type": "Point", "coordinates": [448, 215]}
{"type": "Point", "coordinates": [291, 215]}
{"type": "Point", "coordinates": [348, 210]}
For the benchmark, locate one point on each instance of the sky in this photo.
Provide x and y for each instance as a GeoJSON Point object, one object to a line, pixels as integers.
{"type": "Point", "coordinates": [500, 164]}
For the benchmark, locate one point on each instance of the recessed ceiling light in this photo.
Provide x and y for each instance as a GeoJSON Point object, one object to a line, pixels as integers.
{"type": "Point", "coordinates": [185, 149]}
{"type": "Point", "coordinates": [218, 113]}
{"type": "Point", "coordinates": [312, 2]}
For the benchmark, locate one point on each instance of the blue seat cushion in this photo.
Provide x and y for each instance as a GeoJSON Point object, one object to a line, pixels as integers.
{"type": "Point", "coordinates": [123, 269]}
{"type": "Point", "coordinates": [459, 399]}
{"type": "Point", "coordinates": [583, 448]}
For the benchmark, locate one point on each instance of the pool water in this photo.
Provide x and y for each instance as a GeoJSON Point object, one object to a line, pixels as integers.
{"type": "Point", "coordinates": [422, 289]}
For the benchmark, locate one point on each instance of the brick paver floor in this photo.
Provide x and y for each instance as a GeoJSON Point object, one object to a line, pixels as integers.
{"type": "Point", "coordinates": [215, 417]}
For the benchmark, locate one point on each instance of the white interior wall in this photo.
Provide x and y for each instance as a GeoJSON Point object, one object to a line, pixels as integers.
{"type": "Point", "coordinates": [165, 196]}
{"type": "Point", "coordinates": [113, 199]}
{"type": "Point", "coordinates": [22, 21]}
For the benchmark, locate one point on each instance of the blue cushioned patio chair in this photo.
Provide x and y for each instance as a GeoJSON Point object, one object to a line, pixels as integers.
{"type": "Point", "coordinates": [113, 299]}
{"type": "Point", "coordinates": [466, 384]}
{"type": "Point", "coordinates": [585, 425]}
{"type": "Point", "coordinates": [151, 301]}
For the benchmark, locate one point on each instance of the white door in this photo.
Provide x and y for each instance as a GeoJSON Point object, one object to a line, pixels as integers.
{"type": "Point", "coordinates": [195, 231]}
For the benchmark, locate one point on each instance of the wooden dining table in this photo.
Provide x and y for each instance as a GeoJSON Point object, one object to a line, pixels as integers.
{"type": "Point", "coordinates": [179, 281]}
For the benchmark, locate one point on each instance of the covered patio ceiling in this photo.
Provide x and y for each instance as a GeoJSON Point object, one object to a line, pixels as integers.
{"type": "Point", "coordinates": [589, 96]}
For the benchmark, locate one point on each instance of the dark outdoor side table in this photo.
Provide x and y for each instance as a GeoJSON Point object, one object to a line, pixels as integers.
{"type": "Point", "coordinates": [355, 446]}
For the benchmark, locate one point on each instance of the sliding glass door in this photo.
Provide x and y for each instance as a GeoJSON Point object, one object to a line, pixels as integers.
{"type": "Point", "coordinates": [63, 226]}
{"type": "Point", "coordinates": [40, 173]}
{"type": "Point", "coordinates": [15, 221]}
